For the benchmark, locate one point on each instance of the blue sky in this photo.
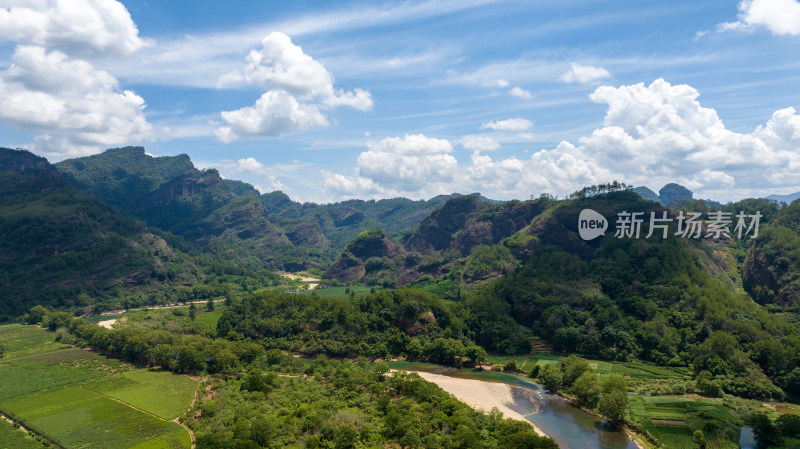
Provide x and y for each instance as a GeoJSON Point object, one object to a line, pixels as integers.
{"type": "Point", "coordinates": [384, 99]}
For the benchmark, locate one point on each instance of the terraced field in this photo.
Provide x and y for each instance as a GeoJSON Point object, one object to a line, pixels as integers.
{"type": "Point", "coordinates": [672, 420]}
{"type": "Point", "coordinates": [81, 399]}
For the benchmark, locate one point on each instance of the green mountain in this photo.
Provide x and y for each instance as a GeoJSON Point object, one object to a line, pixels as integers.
{"type": "Point", "coordinates": [523, 272]}
{"type": "Point", "coordinates": [673, 195]}
{"type": "Point", "coordinates": [170, 193]}
{"type": "Point", "coordinates": [462, 242]}
{"type": "Point", "coordinates": [62, 248]}
{"type": "Point", "coordinates": [101, 229]}
{"type": "Point", "coordinates": [231, 218]}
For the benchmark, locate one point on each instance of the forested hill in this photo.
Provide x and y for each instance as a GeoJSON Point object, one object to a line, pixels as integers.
{"type": "Point", "coordinates": [507, 273]}
{"type": "Point", "coordinates": [62, 248]}
{"type": "Point", "coordinates": [523, 272]}
{"type": "Point", "coordinates": [231, 218]}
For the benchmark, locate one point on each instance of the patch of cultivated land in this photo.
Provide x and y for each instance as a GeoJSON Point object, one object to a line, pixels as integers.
{"type": "Point", "coordinates": [82, 399]}
{"type": "Point", "coordinates": [13, 438]}
{"type": "Point", "coordinates": [77, 417]}
{"type": "Point", "coordinates": [671, 419]}
{"type": "Point", "coordinates": [162, 393]}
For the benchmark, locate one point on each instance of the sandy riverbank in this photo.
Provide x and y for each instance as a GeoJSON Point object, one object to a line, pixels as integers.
{"type": "Point", "coordinates": [479, 395]}
{"type": "Point", "coordinates": [108, 324]}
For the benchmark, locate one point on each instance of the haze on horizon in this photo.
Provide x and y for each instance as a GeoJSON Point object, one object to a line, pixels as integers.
{"type": "Point", "coordinates": [506, 98]}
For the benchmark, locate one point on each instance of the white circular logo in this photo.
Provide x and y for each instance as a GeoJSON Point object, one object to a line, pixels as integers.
{"type": "Point", "coordinates": [591, 224]}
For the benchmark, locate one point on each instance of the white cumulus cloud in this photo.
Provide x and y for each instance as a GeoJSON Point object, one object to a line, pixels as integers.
{"type": "Point", "coordinates": [275, 113]}
{"type": "Point", "coordinates": [584, 74]}
{"type": "Point", "coordinates": [652, 134]}
{"type": "Point", "coordinates": [512, 124]}
{"type": "Point", "coordinates": [297, 88]}
{"type": "Point", "coordinates": [479, 143]}
{"type": "Point", "coordinates": [779, 16]}
{"type": "Point", "coordinates": [408, 162]}
{"type": "Point", "coordinates": [341, 186]}
{"type": "Point", "coordinates": [520, 93]}
{"type": "Point", "coordinates": [52, 88]}
{"type": "Point", "coordinates": [249, 164]}
{"type": "Point", "coordinates": [78, 107]}
{"type": "Point", "coordinates": [74, 26]}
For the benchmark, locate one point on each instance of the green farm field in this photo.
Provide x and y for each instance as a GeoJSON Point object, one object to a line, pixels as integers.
{"type": "Point", "coordinates": [77, 417]}
{"type": "Point", "coordinates": [162, 393]}
{"type": "Point", "coordinates": [79, 398]}
{"type": "Point", "coordinates": [208, 318]}
{"type": "Point", "coordinates": [604, 369]}
{"type": "Point", "coordinates": [13, 438]}
{"type": "Point", "coordinates": [672, 420]}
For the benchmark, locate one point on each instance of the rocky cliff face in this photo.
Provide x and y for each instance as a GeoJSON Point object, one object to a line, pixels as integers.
{"type": "Point", "coordinates": [369, 246]}
{"type": "Point", "coordinates": [494, 225]}
{"type": "Point", "coordinates": [436, 232]}
{"type": "Point", "coordinates": [21, 161]}
{"type": "Point", "coordinates": [182, 187]}
{"type": "Point", "coordinates": [441, 246]}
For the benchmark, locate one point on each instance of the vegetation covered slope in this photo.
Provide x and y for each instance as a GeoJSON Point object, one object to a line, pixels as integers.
{"type": "Point", "coordinates": [625, 298]}
{"type": "Point", "coordinates": [65, 249]}
{"type": "Point", "coordinates": [464, 241]}
{"type": "Point", "coordinates": [231, 218]}
{"type": "Point", "coordinates": [772, 267]}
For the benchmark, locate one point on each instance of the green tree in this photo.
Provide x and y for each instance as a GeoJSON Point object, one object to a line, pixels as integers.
{"type": "Point", "coordinates": [707, 385]}
{"type": "Point", "coordinates": [789, 425]}
{"type": "Point", "coordinates": [587, 389]}
{"type": "Point", "coordinates": [411, 440]}
{"type": "Point", "coordinates": [792, 381]}
{"type": "Point", "coordinates": [615, 382]}
{"type": "Point", "coordinates": [256, 380]}
{"type": "Point", "coordinates": [765, 433]}
{"type": "Point", "coordinates": [192, 311]}
{"type": "Point", "coordinates": [614, 401]}
{"type": "Point", "coordinates": [475, 354]}
{"type": "Point", "coordinates": [550, 376]}
{"type": "Point", "coordinates": [699, 439]}
{"type": "Point", "coordinates": [36, 314]}
{"type": "Point", "coordinates": [3, 347]}
{"type": "Point", "coordinates": [612, 406]}
{"type": "Point", "coordinates": [210, 305]}
{"type": "Point", "coordinates": [381, 368]}
{"type": "Point", "coordinates": [572, 367]}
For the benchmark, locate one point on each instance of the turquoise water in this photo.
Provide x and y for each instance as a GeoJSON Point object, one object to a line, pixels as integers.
{"type": "Point", "coordinates": [570, 427]}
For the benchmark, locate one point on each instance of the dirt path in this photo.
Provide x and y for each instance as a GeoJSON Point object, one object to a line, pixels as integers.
{"type": "Point", "coordinates": [177, 419]}
{"type": "Point", "coordinates": [10, 421]}
{"type": "Point", "coordinates": [169, 306]}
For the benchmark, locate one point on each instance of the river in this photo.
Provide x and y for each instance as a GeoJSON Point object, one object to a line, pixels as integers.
{"type": "Point", "coordinates": [570, 427]}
